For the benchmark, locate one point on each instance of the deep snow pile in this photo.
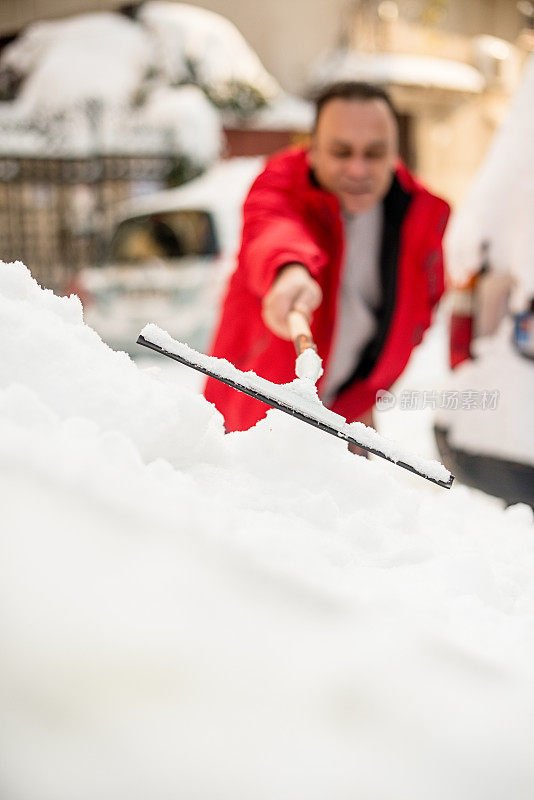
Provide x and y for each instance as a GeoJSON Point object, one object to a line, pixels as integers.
{"type": "Point", "coordinates": [498, 208]}
{"type": "Point", "coordinates": [189, 614]}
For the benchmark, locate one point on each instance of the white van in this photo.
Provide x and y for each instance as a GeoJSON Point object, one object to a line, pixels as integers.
{"type": "Point", "coordinates": [170, 256]}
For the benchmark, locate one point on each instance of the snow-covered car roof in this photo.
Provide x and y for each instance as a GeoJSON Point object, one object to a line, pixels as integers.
{"type": "Point", "coordinates": [498, 207]}
{"type": "Point", "coordinates": [220, 190]}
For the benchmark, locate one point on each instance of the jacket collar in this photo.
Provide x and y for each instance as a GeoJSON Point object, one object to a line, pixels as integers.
{"type": "Point", "coordinates": [395, 202]}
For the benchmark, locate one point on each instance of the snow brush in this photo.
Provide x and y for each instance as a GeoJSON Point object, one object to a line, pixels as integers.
{"type": "Point", "coordinates": [299, 398]}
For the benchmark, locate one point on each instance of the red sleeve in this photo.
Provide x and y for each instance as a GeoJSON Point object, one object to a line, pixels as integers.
{"type": "Point", "coordinates": [275, 233]}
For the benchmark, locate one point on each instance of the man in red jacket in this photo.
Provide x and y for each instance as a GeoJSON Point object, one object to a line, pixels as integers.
{"type": "Point", "coordinates": [343, 232]}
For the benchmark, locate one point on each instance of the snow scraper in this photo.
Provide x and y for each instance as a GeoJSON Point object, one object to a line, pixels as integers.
{"type": "Point", "coordinates": [298, 398]}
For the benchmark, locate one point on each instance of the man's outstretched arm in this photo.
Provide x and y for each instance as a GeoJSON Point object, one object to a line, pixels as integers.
{"type": "Point", "coordinates": [275, 239]}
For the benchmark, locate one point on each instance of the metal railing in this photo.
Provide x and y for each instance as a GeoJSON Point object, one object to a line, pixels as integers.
{"type": "Point", "coordinates": [57, 214]}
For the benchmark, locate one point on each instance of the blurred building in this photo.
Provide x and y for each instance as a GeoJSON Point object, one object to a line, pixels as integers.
{"type": "Point", "coordinates": [451, 66]}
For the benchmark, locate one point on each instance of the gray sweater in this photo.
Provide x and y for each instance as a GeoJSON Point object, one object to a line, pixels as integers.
{"type": "Point", "coordinates": [359, 297]}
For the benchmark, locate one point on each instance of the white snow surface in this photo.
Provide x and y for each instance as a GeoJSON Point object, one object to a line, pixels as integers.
{"type": "Point", "coordinates": [498, 207]}
{"type": "Point", "coordinates": [261, 614]}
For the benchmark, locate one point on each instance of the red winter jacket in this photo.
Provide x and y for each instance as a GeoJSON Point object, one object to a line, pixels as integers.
{"type": "Point", "coordinates": [288, 218]}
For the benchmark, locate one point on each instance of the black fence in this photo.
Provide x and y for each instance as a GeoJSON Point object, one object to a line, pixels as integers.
{"type": "Point", "coordinates": [57, 214]}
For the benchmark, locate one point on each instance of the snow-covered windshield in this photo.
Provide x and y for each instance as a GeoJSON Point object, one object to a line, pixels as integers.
{"type": "Point", "coordinates": [175, 234]}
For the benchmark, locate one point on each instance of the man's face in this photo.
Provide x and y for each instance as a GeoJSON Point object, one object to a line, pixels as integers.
{"type": "Point", "coordinates": [353, 151]}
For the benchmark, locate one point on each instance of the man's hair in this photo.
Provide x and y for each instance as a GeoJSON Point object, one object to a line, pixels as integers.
{"type": "Point", "coordinates": [351, 90]}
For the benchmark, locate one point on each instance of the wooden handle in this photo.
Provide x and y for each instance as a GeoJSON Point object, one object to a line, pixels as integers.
{"type": "Point", "coordinates": [300, 331]}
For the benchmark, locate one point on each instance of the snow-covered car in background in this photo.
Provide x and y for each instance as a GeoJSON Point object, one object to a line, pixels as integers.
{"type": "Point", "coordinates": [169, 258]}
{"type": "Point", "coordinates": [485, 430]}
{"type": "Point", "coordinates": [488, 441]}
